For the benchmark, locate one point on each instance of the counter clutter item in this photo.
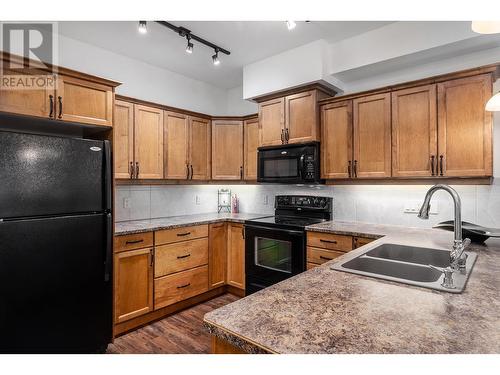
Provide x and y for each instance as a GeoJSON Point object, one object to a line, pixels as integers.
{"type": "Point", "coordinates": [476, 233]}
{"type": "Point", "coordinates": [224, 200]}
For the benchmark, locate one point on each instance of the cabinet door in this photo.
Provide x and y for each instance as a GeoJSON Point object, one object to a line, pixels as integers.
{"type": "Point", "coordinates": [414, 132]}
{"type": "Point", "coordinates": [199, 148]}
{"type": "Point", "coordinates": [250, 144]}
{"type": "Point", "coordinates": [217, 254]}
{"type": "Point", "coordinates": [133, 290]}
{"type": "Point", "coordinates": [336, 140]}
{"type": "Point", "coordinates": [271, 122]}
{"type": "Point", "coordinates": [26, 102]}
{"type": "Point", "coordinates": [372, 136]}
{"type": "Point", "coordinates": [123, 139]}
{"type": "Point", "coordinates": [464, 127]}
{"type": "Point", "coordinates": [236, 256]}
{"type": "Point", "coordinates": [176, 132]}
{"type": "Point", "coordinates": [148, 142]}
{"type": "Point", "coordinates": [227, 150]}
{"type": "Point", "coordinates": [301, 117]}
{"type": "Point", "coordinates": [83, 101]}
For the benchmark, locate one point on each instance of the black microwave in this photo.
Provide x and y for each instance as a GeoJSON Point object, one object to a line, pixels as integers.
{"type": "Point", "coordinates": [292, 164]}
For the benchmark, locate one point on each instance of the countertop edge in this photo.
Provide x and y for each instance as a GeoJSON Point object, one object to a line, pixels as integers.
{"type": "Point", "coordinates": [234, 339]}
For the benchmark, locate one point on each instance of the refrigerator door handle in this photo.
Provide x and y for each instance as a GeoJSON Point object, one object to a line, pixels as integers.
{"type": "Point", "coordinates": [109, 248]}
{"type": "Point", "coordinates": [107, 176]}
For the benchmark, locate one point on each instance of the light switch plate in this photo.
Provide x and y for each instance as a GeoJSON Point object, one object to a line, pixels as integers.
{"type": "Point", "coordinates": [198, 200]}
{"type": "Point", "coordinates": [265, 200]}
{"type": "Point", "coordinates": [413, 207]}
{"type": "Point", "coordinates": [126, 203]}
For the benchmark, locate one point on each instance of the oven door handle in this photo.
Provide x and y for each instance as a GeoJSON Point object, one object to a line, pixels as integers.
{"type": "Point", "coordinates": [288, 231]}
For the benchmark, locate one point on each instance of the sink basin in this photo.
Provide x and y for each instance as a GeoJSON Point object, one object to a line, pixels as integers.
{"type": "Point", "coordinates": [407, 264]}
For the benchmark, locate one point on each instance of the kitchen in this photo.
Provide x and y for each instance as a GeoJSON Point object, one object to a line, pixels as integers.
{"type": "Point", "coordinates": [216, 202]}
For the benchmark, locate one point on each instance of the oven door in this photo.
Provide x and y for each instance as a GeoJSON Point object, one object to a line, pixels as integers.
{"type": "Point", "coordinates": [272, 254]}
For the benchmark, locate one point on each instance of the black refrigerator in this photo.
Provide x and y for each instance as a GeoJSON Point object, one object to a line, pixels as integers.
{"type": "Point", "coordinates": [55, 244]}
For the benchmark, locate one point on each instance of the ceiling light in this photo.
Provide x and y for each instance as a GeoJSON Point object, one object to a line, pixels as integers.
{"type": "Point", "coordinates": [215, 58]}
{"type": "Point", "coordinates": [494, 103]}
{"type": "Point", "coordinates": [290, 25]}
{"type": "Point", "coordinates": [189, 47]}
{"type": "Point", "coordinates": [143, 29]}
{"type": "Point", "coordinates": [486, 27]}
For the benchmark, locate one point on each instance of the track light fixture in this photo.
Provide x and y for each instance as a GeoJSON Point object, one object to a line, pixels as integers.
{"type": "Point", "coordinates": [189, 47]}
{"type": "Point", "coordinates": [186, 33]}
{"type": "Point", "coordinates": [290, 25]}
{"type": "Point", "coordinates": [215, 58]}
{"type": "Point", "coordinates": [143, 28]}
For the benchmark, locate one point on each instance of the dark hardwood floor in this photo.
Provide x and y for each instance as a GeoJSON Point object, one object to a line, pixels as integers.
{"type": "Point", "coordinates": [180, 333]}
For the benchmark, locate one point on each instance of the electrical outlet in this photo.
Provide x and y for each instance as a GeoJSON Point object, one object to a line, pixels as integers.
{"type": "Point", "coordinates": [413, 207]}
{"type": "Point", "coordinates": [265, 200]}
{"type": "Point", "coordinates": [126, 203]}
{"type": "Point", "coordinates": [198, 200]}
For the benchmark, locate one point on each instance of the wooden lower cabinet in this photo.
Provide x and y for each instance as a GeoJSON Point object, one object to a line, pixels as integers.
{"type": "Point", "coordinates": [236, 256]}
{"type": "Point", "coordinates": [361, 241]}
{"type": "Point", "coordinates": [217, 253]}
{"type": "Point", "coordinates": [179, 286]}
{"type": "Point", "coordinates": [133, 280]}
{"type": "Point", "coordinates": [320, 256]}
{"type": "Point", "coordinates": [180, 256]}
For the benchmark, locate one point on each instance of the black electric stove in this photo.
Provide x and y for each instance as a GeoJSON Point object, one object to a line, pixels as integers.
{"type": "Point", "coordinates": [275, 246]}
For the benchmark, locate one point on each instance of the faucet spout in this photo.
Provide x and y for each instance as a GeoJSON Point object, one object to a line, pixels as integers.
{"type": "Point", "coordinates": [457, 259]}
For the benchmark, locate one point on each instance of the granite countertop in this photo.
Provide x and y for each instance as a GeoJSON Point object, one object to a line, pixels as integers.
{"type": "Point", "coordinates": [327, 311]}
{"type": "Point", "coordinates": [140, 226]}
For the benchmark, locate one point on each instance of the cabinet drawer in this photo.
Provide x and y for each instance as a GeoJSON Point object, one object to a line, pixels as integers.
{"type": "Point", "coordinates": [180, 286]}
{"type": "Point", "coordinates": [319, 256]}
{"type": "Point", "coordinates": [329, 241]}
{"type": "Point", "coordinates": [180, 234]}
{"type": "Point", "coordinates": [133, 241]}
{"type": "Point", "coordinates": [180, 256]}
{"type": "Point", "coordinates": [311, 265]}
{"type": "Point", "coordinates": [361, 241]}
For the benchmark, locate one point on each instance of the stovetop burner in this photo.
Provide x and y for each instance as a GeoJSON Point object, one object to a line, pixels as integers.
{"type": "Point", "coordinates": [287, 221]}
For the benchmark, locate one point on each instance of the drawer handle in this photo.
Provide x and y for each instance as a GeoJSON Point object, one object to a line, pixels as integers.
{"type": "Point", "coordinates": [134, 241]}
{"type": "Point", "coordinates": [328, 241]}
{"type": "Point", "coordinates": [183, 256]}
{"type": "Point", "coordinates": [183, 234]}
{"type": "Point", "coordinates": [326, 258]}
{"type": "Point", "coordinates": [184, 286]}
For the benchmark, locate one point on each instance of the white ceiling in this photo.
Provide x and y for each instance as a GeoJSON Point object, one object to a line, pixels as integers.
{"type": "Point", "coordinates": [248, 41]}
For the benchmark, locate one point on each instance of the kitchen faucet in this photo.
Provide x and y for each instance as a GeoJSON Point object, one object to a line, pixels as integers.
{"type": "Point", "coordinates": [457, 256]}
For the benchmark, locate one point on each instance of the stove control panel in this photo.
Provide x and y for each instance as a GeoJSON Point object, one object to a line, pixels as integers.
{"type": "Point", "coordinates": [303, 201]}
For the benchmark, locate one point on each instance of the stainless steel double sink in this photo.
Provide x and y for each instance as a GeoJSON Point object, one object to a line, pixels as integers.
{"type": "Point", "coordinates": [408, 265]}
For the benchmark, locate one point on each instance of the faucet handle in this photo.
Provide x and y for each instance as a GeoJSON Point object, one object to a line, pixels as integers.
{"type": "Point", "coordinates": [448, 276]}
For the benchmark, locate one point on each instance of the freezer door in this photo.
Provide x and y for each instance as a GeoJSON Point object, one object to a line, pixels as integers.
{"type": "Point", "coordinates": [43, 175]}
{"type": "Point", "coordinates": [55, 289]}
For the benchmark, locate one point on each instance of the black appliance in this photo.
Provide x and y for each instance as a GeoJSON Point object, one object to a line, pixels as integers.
{"type": "Point", "coordinates": [293, 163]}
{"type": "Point", "coordinates": [275, 246]}
{"type": "Point", "coordinates": [55, 244]}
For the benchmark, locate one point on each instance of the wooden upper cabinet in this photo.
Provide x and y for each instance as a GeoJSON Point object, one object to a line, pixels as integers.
{"type": "Point", "coordinates": [250, 144]}
{"type": "Point", "coordinates": [27, 102]}
{"type": "Point", "coordinates": [83, 101]}
{"type": "Point", "coordinates": [133, 289]}
{"type": "Point", "coordinates": [148, 142]}
{"type": "Point", "coordinates": [465, 128]}
{"type": "Point", "coordinates": [199, 148]}
{"type": "Point", "coordinates": [414, 132]}
{"type": "Point", "coordinates": [301, 117]}
{"type": "Point", "coordinates": [236, 256]}
{"type": "Point", "coordinates": [271, 122]}
{"type": "Point", "coordinates": [176, 144]}
{"type": "Point", "coordinates": [227, 148]}
{"type": "Point", "coordinates": [336, 140]}
{"type": "Point", "coordinates": [372, 136]}
{"type": "Point", "coordinates": [217, 253]}
{"type": "Point", "coordinates": [123, 139]}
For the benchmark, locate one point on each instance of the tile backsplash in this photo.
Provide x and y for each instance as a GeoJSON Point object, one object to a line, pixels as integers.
{"type": "Point", "coordinates": [364, 203]}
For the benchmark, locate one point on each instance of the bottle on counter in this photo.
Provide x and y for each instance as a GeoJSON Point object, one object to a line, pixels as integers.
{"type": "Point", "coordinates": [234, 204]}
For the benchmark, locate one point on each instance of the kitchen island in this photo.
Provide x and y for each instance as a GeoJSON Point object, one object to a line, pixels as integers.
{"type": "Point", "coordinates": [327, 311]}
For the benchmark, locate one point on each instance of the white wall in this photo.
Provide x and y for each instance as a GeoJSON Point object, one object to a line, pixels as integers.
{"type": "Point", "coordinates": [237, 106]}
